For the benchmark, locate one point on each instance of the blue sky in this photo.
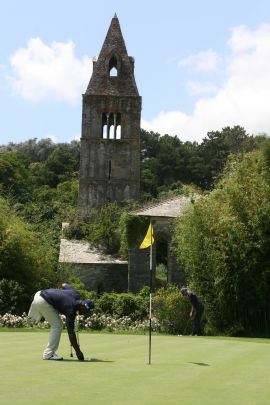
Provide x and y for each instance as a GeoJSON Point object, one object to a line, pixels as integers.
{"type": "Point", "coordinates": [199, 65]}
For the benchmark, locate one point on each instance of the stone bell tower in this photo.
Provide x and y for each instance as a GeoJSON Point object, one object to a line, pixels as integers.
{"type": "Point", "coordinates": [111, 113]}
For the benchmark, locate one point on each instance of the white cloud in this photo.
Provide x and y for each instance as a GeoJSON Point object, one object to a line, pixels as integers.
{"type": "Point", "coordinates": [200, 88]}
{"type": "Point", "coordinates": [243, 39]}
{"type": "Point", "coordinates": [49, 72]}
{"type": "Point", "coordinates": [242, 99]}
{"type": "Point", "coordinates": [76, 137]}
{"type": "Point", "coordinates": [205, 61]}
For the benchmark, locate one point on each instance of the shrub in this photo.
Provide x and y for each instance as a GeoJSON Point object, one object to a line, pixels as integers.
{"type": "Point", "coordinates": [12, 296]}
{"type": "Point", "coordinates": [95, 322]}
{"type": "Point", "coordinates": [130, 305]}
{"type": "Point", "coordinates": [105, 303]}
{"type": "Point", "coordinates": [171, 310]}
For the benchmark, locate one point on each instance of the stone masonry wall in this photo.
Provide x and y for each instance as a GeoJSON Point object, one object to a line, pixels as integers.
{"type": "Point", "coordinates": [103, 277]}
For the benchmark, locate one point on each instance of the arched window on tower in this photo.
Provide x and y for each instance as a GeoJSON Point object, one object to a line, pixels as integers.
{"type": "Point", "coordinates": [111, 134]}
{"type": "Point", "coordinates": [111, 126]}
{"type": "Point", "coordinates": [118, 126]}
{"type": "Point", "coordinates": [113, 69]}
{"type": "Point", "coordinates": [113, 72]}
{"type": "Point", "coordinates": [104, 133]}
{"type": "Point", "coordinates": [118, 132]}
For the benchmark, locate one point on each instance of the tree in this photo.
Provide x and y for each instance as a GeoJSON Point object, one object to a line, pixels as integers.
{"type": "Point", "coordinates": [223, 244]}
{"type": "Point", "coordinates": [63, 162]}
{"type": "Point", "coordinates": [164, 161]}
{"type": "Point", "coordinates": [14, 175]}
{"type": "Point", "coordinates": [214, 150]}
{"type": "Point", "coordinates": [25, 259]}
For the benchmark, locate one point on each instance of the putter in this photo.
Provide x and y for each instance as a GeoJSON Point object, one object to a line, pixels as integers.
{"type": "Point", "coordinates": [77, 335]}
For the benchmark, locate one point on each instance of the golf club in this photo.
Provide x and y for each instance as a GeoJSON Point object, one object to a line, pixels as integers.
{"type": "Point", "coordinates": [77, 335]}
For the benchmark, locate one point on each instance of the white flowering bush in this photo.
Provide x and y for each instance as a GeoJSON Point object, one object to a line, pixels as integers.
{"type": "Point", "coordinates": [95, 322]}
{"type": "Point", "coordinates": [13, 321]}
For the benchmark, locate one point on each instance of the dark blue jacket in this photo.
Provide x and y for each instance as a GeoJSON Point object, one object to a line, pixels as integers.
{"type": "Point", "coordinates": [195, 300]}
{"type": "Point", "coordinates": [66, 301]}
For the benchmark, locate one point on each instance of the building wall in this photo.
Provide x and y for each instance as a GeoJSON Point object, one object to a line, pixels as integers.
{"type": "Point", "coordinates": [101, 277]}
{"type": "Point", "coordinates": [109, 168]}
{"type": "Point", "coordinates": [139, 268]}
{"type": "Point", "coordinates": [139, 259]}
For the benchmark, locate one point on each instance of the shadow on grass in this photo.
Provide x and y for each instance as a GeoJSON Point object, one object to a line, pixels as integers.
{"type": "Point", "coordinates": [89, 361]}
{"type": "Point", "coordinates": [199, 364]}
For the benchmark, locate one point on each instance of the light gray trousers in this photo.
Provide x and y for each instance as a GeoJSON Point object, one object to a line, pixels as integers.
{"type": "Point", "coordinates": [40, 308]}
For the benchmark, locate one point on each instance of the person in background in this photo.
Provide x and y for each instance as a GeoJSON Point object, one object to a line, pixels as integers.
{"type": "Point", "coordinates": [49, 304]}
{"type": "Point", "coordinates": [197, 307]}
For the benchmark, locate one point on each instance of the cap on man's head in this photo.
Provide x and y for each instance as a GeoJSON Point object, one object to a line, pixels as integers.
{"type": "Point", "coordinates": [183, 290]}
{"type": "Point", "coordinates": [89, 305]}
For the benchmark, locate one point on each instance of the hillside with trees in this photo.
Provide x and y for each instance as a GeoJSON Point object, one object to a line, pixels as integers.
{"type": "Point", "coordinates": [228, 225]}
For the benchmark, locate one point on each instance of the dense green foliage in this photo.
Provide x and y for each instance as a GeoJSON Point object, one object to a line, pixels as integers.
{"type": "Point", "coordinates": [223, 241]}
{"type": "Point", "coordinates": [134, 306]}
{"type": "Point", "coordinates": [26, 260]}
{"type": "Point", "coordinates": [172, 310]}
{"type": "Point", "coordinates": [99, 227]}
{"type": "Point", "coordinates": [38, 187]}
{"type": "Point", "coordinates": [223, 244]}
{"type": "Point", "coordinates": [168, 162]}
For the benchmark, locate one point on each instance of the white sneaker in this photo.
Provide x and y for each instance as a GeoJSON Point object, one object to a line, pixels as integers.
{"type": "Point", "coordinates": [54, 357]}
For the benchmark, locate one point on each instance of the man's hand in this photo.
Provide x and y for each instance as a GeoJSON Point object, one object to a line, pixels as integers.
{"type": "Point", "coordinates": [80, 355]}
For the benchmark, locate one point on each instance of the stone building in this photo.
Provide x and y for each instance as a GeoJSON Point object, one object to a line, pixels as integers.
{"type": "Point", "coordinates": [104, 273]}
{"type": "Point", "coordinates": [110, 171]}
{"type": "Point", "coordinates": [98, 272]}
{"type": "Point", "coordinates": [110, 140]}
{"type": "Point", "coordinates": [161, 216]}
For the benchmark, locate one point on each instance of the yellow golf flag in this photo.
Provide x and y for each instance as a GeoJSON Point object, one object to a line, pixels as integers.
{"type": "Point", "coordinates": [149, 238]}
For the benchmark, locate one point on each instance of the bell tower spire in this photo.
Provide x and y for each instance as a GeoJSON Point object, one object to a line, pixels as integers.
{"type": "Point", "coordinates": [110, 141]}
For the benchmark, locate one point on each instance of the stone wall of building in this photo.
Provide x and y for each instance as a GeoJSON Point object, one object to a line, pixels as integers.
{"type": "Point", "coordinates": [139, 259]}
{"type": "Point", "coordinates": [101, 277]}
{"type": "Point", "coordinates": [139, 268]}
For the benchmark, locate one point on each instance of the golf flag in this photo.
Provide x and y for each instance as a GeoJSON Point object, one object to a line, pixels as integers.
{"type": "Point", "coordinates": [148, 241]}
{"type": "Point", "coordinates": [149, 238]}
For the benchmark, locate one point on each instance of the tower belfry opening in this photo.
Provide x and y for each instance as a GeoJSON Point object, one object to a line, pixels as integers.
{"type": "Point", "coordinates": [113, 66]}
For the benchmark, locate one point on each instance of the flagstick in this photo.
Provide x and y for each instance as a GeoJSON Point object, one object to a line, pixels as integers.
{"type": "Point", "coordinates": [150, 297]}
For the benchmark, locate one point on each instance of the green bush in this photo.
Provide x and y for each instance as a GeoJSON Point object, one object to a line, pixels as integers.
{"type": "Point", "coordinates": [77, 229]}
{"type": "Point", "coordinates": [26, 257]}
{"type": "Point", "coordinates": [130, 305]}
{"type": "Point", "coordinates": [105, 303]}
{"type": "Point", "coordinates": [172, 310]}
{"type": "Point", "coordinates": [12, 297]}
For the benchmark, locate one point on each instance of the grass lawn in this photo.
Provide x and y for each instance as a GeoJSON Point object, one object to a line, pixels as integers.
{"type": "Point", "coordinates": [184, 370]}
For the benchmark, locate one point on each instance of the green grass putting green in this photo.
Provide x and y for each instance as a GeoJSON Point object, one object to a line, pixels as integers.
{"type": "Point", "coordinates": [184, 370]}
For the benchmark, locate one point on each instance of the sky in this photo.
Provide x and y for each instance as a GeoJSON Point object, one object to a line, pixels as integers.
{"type": "Point", "coordinates": [199, 65]}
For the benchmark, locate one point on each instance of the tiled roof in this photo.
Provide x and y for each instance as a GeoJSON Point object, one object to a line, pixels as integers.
{"type": "Point", "coordinates": [74, 251]}
{"type": "Point", "coordinates": [166, 209]}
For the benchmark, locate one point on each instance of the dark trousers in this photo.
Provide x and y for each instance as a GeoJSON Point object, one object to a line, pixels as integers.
{"type": "Point", "coordinates": [197, 321]}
